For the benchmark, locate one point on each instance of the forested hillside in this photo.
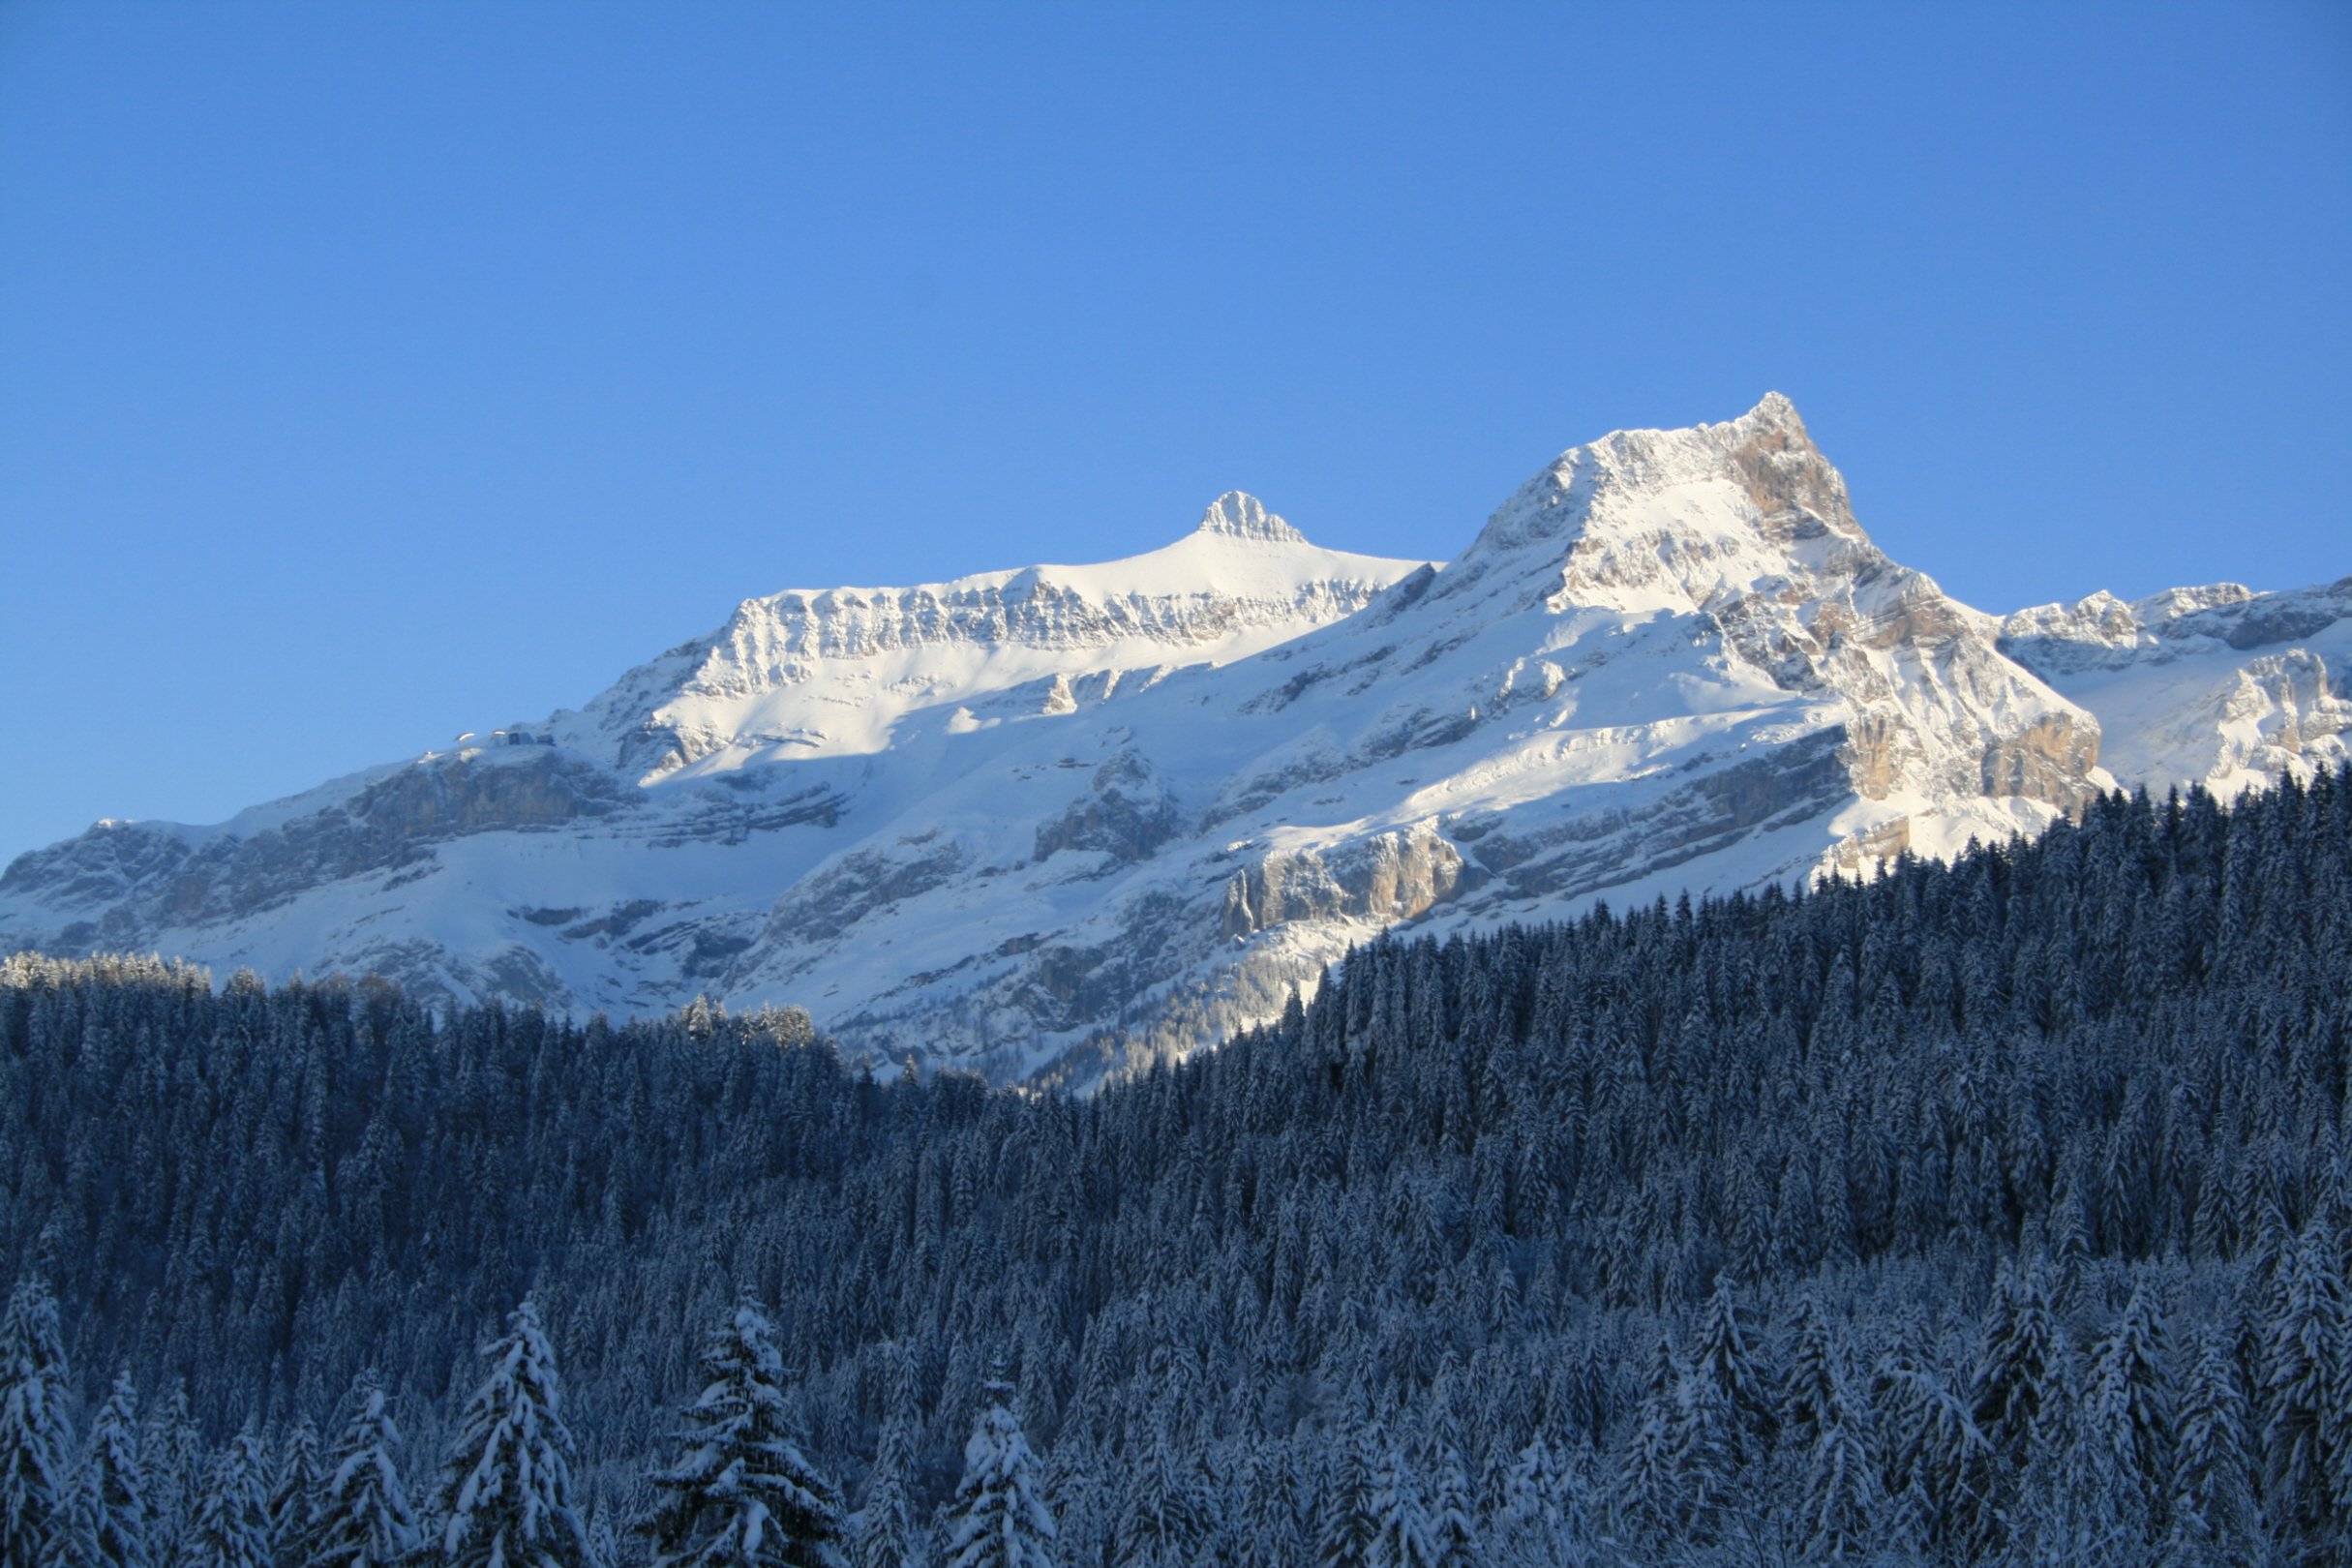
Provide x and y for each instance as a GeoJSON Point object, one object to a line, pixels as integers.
{"type": "Point", "coordinates": [1998, 1211]}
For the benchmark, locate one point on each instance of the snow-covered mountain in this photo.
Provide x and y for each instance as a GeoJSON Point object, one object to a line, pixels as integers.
{"type": "Point", "coordinates": [1036, 820]}
{"type": "Point", "coordinates": [2218, 685]}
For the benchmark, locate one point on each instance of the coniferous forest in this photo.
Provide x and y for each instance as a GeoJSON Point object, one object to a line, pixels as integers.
{"type": "Point", "coordinates": [1991, 1213]}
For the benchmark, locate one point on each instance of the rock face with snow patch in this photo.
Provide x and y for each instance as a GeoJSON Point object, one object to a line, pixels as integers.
{"type": "Point", "coordinates": [1044, 822]}
{"type": "Point", "coordinates": [2218, 686]}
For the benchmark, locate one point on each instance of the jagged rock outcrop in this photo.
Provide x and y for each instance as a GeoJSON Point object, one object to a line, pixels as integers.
{"type": "Point", "coordinates": [2216, 685]}
{"type": "Point", "coordinates": [1380, 881]}
{"type": "Point", "coordinates": [1126, 813]}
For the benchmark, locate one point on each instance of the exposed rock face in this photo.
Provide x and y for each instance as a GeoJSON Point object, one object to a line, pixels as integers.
{"type": "Point", "coordinates": [1044, 821]}
{"type": "Point", "coordinates": [1381, 880]}
{"type": "Point", "coordinates": [153, 878]}
{"type": "Point", "coordinates": [2051, 759]}
{"type": "Point", "coordinates": [1238, 515]}
{"type": "Point", "coordinates": [1127, 813]}
{"type": "Point", "coordinates": [1579, 854]}
{"type": "Point", "coordinates": [2218, 686]}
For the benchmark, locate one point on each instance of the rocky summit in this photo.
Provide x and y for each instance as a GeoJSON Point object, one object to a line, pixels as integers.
{"type": "Point", "coordinates": [1047, 823]}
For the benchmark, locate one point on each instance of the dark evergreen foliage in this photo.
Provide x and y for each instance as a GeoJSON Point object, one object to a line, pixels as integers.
{"type": "Point", "coordinates": [1991, 1211]}
{"type": "Point", "coordinates": [505, 1500]}
{"type": "Point", "coordinates": [35, 1441]}
{"type": "Point", "coordinates": [741, 1493]}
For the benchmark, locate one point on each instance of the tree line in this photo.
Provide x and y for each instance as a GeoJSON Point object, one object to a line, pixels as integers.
{"type": "Point", "coordinates": [741, 1489]}
{"type": "Point", "coordinates": [1990, 1212]}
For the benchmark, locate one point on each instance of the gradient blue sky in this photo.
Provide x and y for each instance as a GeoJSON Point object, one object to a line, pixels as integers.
{"type": "Point", "coordinates": [371, 372]}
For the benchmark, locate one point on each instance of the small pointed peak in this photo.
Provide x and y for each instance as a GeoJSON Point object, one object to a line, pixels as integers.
{"type": "Point", "coordinates": [1239, 515]}
{"type": "Point", "coordinates": [1774, 409]}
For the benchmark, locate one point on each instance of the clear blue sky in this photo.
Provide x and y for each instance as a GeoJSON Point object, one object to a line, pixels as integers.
{"type": "Point", "coordinates": [370, 372]}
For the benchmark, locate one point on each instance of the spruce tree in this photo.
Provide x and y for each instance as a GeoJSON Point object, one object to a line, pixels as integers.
{"type": "Point", "coordinates": [1349, 1516]}
{"type": "Point", "coordinates": [362, 1517]}
{"type": "Point", "coordinates": [2012, 1393]}
{"type": "Point", "coordinates": [1400, 1535]}
{"type": "Point", "coordinates": [1725, 1353]}
{"type": "Point", "coordinates": [1936, 1464]}
{"type": "Point", "coordinates": [294, 1494]}
{"type": "Point", "coordinates": [1531, 1518]}
{"type": "Point", "coordinates": [741, 1493]}
{"type": "Point", "coordinates": [1817, 1377]}
{"type": "Point", "coordinates": [229, 1526]}
{"type": "Point", "coordinates": [1841, 1486]}
{"type": "Point", "coordinates": [998, 1518]}
{"type": "Point", "coordinates": [110, 1523]}
{"type": "Point", "coordinates": [1704, 1433]}
{"type": "Point", "coordinates": [2212, 1515]}
{"type": "Point", "coordinates": [1649, 1501]}
{"type": "Point", "coordinates": [505, 1500]}
{"type": "Point", "coordinates": [889, 1535]}
{"type": "Point", "coordinates": [1453, 1523]}
{"type": "Point", "coordinates": [174, 1453]}
{"type": "Point", "coordinates": [1271, 1536]}
{"type": "Point", "coordinates": [2126, 1429]}
{"type": "Point", "coordinates": [36, 1443]}
{"type": "Point", "coordinates": [2310, 1376]}
{"type": "Point", "coordinates": [2018, 1398]}
{"type": "Point", "coordinates": [1165, 1518]}
{"type": "Point", "coordinates": [887, 1528]}
{"type": "Point", "coordinates": [604, 1541]}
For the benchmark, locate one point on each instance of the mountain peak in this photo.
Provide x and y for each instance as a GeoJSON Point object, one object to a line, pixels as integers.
{"type": "Point", "coordinates": [1239, 515]}
{"type": "Point", "coordinates": [1775, 410]}
{"type": "Point", "coordinates": [1648, 494]}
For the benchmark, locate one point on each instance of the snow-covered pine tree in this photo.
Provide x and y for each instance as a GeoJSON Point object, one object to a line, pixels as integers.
{"type": "Point", "coordinates": [998, 1518]}
{"type": "Point", "coordinates": [1164, 1517]}
{"type": "Point", "coordinates": [604, 1541]}
{"type": "Point", "coordinates": [1453, 1518]}
{"type": "Point", "coordinates": [1400, 1513]}
{"type": "Point", "coordinates": [1346, 1521]}
{"type": "Point", "coordinates": [362, 1517]}
{"type": "Point", "coordinates": [229, 1527]}
{"type": "Point", "coordinates": [110, 1498]}
{"type": "Point", "coordinates": [2018, 1397]}
{"type": "Point", "coordinates": [2012, 1393]}
{"type": "Point", "coordinates": [1725, 1352]}
{"type": "Point", "coordinates": [505, 1500]}
{"type": "Point", "coordinates": [1077, 1483]}
{"type": "Point", "coordinates": [889, 1535]}
{"type": "Point", "coordinates": [36, 1442]}
{"type": "Point", "coordinates": [294, 1494]}
{"type": "Point", "coordinates": [2212, 1515]}
{"type": "Point", "coordinates": [1272, 1535]}
{"type": "Point", "coordinates": [1815, 1360]}
{"type": "Point", "coordinates": [1529, 1520]}
{"type": "Point", "coordinates": [1706, 1454]}
{"type": "Point", "coordinates": [174, 1453]}
{"type": "Point", "coordinates": [1649, 1494]}
{"type": "Point", "coordinates": [2122, 1443]}
{"type": "Point", "coordinates": [741, 1493]}
{"type": "Point", "coordinates": [1841, 1495]}
{"type": "Point", "coordinates": [2309, 1351]}
{"type": "Point", "coordinates": [1935, 1462]}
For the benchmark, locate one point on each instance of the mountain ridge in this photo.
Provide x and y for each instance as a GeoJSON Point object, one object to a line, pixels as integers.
{"type": "Point", "coordinates": [1055, 819]}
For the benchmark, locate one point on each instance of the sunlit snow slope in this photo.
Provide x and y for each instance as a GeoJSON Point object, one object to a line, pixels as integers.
{"type": "Point", "coordinates": [1036, 822]}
